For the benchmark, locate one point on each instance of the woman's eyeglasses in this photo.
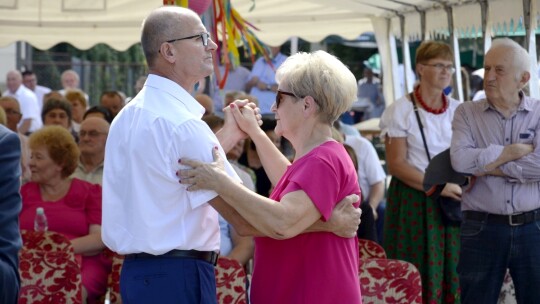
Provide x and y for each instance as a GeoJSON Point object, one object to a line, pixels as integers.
{"type": "Point", "coordinates": [278, 96]}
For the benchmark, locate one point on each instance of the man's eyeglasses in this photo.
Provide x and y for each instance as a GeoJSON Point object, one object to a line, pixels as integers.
{"type": "Point", "coordinates": [204, 38]}
{"type": "Point", "coordinates": [278, 96]}
{"type": "Point", "coordinates": [439, 66]}
{"type": "Point", "coordinates": [92, 133]}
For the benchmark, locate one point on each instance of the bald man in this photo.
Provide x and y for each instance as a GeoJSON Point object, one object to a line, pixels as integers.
{"type": "Point", "coordinates": [92, 139]}
{"type": "Point", "coordinates": [31, 118]}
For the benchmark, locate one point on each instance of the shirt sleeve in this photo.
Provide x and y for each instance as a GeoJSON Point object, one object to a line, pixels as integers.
{"type": "Point", "coordinates": [465, 156]}
{"type": "Point", "coordinates": [196, 142]}
{"type": "Point", "coordinates": [394, 120]}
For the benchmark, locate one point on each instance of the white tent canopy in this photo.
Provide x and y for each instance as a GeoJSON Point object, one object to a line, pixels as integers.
{"type": "Point", "coordinates": [84, 23]}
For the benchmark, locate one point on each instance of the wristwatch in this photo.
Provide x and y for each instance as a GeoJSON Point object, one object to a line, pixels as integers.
{"type": "Point", "coordinates": [268, 87]}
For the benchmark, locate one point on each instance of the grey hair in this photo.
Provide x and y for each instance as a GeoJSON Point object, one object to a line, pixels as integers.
{"type": "Point", "coordinates": [323, 77]}
{"type": "Point", "coordinates": [519, 54]}
{"type": "Point", "coordinates": [160, 25]}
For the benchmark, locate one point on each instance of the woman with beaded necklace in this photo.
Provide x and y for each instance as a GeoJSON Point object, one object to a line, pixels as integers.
{"type": "Point", "coordinates": [414, 230]}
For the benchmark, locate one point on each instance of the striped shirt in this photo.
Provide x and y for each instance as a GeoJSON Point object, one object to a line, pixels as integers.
{"type": "Point", "coordinates": [480, 133]}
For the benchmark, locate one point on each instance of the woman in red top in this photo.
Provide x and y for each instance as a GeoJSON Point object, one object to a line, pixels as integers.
{"type": "Point", "coordinates": [72, 206]}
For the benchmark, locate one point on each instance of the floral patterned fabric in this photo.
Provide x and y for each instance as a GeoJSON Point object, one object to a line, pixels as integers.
{"type": "Point", "coordinates": [414, 232]}
{"type": "Point", "coordinates": [46, 241]}
{"type": "Point", "coordinates": [49, 277]}
{"type": "Point", "coordinates": [114, 277]}
{"type": "Point", "coordinates": [370, 249]}
{"type": "Point", "coordinates": [508, 291]}
{"type": "Point", "coordinates": [390, 281]}
{"type": "Point", "coordinates": [230, 281]}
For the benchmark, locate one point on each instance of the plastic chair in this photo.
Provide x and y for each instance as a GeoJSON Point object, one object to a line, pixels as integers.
{"type": "Point", "coordinates": [230, 281]}
{"type": "Point", "coordinates": [390, 281]}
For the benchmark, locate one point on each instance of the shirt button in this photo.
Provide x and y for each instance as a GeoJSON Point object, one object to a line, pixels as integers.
{"type": "Point", "coordinates": [508, 202]}
{"type": "Point", "coordinates": [507, 139]}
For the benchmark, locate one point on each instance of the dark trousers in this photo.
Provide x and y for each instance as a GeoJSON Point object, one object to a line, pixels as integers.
{"type": "Point", "coordinates": [167, 280]}
{"type": "Point", "coordinates": [9, 284]}
{"type": "Point", "coordinates": [367, 229]}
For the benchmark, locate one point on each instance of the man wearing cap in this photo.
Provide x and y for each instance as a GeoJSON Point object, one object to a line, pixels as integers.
{"type": "Point", "coordinates": [495, 140]}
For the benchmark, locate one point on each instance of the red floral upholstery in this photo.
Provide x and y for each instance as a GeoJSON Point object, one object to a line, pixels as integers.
{"type": "Point", "coordinates": [370, 249]}
{"type": "Point", "coordinates": [46, 241]}
{"type": "Point", "coordinates": [390, 281]}
{"type": "Point", "coordinates": [114, 277]}
{"type": "Point", "coordinates": [230, 281]}
{"type": "Point", "coordinates": [49, 277]}
{"type": "Point", "coordinates": [508, 292]}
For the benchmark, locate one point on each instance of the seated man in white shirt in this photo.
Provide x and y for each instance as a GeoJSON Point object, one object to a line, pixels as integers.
{"type": "Point", "coordinates": [31, 119]}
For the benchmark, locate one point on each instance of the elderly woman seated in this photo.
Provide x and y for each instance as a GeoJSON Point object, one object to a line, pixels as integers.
{"type": "Point", "coordinates": [72, 206]}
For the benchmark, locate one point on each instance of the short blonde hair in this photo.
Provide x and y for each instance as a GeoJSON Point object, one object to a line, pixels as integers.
{"type": "Point", "coordinates": [61, 146]}
{"type": "Point", "coordinates": [76, 95]}
{"type": "Point", "coordinates": [323, 77]}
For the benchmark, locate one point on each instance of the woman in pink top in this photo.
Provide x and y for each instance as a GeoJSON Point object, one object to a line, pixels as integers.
{"type": "Point", "coordinates": [293, 265]}
{"type": "Point", "coordinates": [72, 206]}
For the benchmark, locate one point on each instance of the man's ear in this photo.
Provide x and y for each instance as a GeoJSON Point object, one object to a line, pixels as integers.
{"type": "Point", "coordinates": [525, 77]}
{"type": "Point", "coordinates": [167, 51]}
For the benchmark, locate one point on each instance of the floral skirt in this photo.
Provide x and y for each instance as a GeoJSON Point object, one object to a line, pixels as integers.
{"type": "Point", "coordinates": [414, 232]}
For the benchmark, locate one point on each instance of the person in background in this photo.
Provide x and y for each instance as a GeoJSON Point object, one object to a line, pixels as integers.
{"type": "Point", "coordinates": [262, 83]}
{"type": "Point", "coordinates": [31, 121]}
{"type": "Point", "coordinates": [13, 117]}
{"type": "Point", "coordinates": [497, 140]}
{"type": "Point", "coordinates": [314, 89]}
{"type": "Point", "coordinates": [370, 87]}
{"type": "Point", "coordinates": [72, 206]}
{"type": "Point", "coordinates": [78, 107]}
{"type": "Point", "coordinates": [92, 139]}
{"type": "Point", "coordinates": [70, 81]}
{"type": "Point", "coordinates": [371, 177]}
{"type": "Point", "coordinates": [10, 206]}
{"type": "Point", "coordinates": [413, 228]}
{"type": "Point", "coordinates": [113, 101]}
{"type": "Point", "coordinates": [98, 111]}
{"type": "Point", "coordinates": [31, 82]}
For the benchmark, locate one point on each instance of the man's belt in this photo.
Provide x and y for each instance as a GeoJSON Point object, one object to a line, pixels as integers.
{"type": "Point", "coordinates": [207, 256]}
{"type": "Point", "coordinates": [515, 219]}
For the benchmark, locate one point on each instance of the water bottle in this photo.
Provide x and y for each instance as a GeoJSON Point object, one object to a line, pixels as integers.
{"type": "Point", "coordinates": [40, 222]}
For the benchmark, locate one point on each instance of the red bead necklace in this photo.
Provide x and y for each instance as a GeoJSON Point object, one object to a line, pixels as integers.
{"type": "Point", "coordinates": [428, 108]}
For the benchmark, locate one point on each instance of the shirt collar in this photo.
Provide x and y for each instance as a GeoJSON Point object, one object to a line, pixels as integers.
{"type": "Point", "coordinates": [526, 103]}
{"type": "Point", "coordinates": [177, 92]}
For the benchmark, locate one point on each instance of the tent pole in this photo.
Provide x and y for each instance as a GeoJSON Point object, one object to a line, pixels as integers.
{"type": "Point", "coordinates": [455, 47]}
{"type": "Point", "coordinates": [529, 8]}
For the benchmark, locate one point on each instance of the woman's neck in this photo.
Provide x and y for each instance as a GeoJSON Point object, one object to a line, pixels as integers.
{"type": "Point", "coordinates": [311, 137]}
{"type": "Point", "coordinates": [431, 96]}
{"type": "Point", "coordinates": [54, 189]}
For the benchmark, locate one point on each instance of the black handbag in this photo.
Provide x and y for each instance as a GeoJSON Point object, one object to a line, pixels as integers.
{"type": "Point", "coordinates": [450, 208]}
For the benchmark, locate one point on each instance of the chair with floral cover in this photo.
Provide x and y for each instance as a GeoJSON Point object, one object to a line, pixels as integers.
{"type": "Point", "coordinates": [390, 281]}
{"type": "Point", "coordinates": [46, 241]}
{"type": "Point", "coordinates": [370, 249]}
{"type": "Point", "coordinates": [49, 277]}
{"type": "Point", "coordinates": [49, 270]}
{"type": "Point", "coordinates": [230, 281]}
{"type": "Point", "coordinates": [113, 281]}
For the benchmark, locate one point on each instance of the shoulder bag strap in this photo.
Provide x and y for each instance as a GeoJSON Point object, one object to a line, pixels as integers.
{"type": "Point", "coordinates": [420, 125]}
